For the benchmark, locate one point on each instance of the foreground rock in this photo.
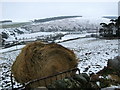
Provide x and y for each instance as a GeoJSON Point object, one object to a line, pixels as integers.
{"type": "Point", "coordinates": [110, 75]}
{"type": "Point", "coordinates": [115, 64]}
{"type": "Point", "coordinates": [104, 79]}
{"type": "Point", "coordinates": [81, 81]}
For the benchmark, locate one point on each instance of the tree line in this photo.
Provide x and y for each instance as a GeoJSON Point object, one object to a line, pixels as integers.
{"type": "Point", "coordinates": [54, 18]}
{"type": "Point", "coordinates": [111, 29]}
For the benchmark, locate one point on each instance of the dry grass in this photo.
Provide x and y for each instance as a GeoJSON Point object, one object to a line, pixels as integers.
{"type": "Point", "coordinates": [38, 60]}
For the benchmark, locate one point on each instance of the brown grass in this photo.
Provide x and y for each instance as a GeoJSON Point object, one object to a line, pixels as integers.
{"type": "Point", "coordinates": [38, 60]}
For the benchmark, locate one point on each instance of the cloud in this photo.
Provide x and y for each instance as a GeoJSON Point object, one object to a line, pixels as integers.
{"type": "Point", "coordinates": [59, 0]}
{"type": "Point", "coordinates": [24, 11]}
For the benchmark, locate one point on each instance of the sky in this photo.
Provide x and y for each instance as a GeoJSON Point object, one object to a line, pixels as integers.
{"type": "Point", "coordinates": [30, 10]}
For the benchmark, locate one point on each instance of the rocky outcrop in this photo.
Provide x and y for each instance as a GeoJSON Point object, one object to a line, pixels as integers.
{"type": "Point", "coordinates": [110, 75]}
{"type": "Point", "coordinates": [104, 79]}
{"type": "Point", "coordinates": [81, 81]}
{"type": "Point", "coordinates": [115, 64]}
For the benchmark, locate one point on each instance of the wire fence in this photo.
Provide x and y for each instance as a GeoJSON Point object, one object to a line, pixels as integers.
{"type": "Point", "coordinates": [66, 73]}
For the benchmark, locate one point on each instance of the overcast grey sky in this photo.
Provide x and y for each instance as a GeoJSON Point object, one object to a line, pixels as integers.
{"type": "Point", "coordinates": [25, 11]}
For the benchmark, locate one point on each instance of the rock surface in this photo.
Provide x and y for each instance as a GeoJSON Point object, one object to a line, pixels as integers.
{"type": "Point", "coordinates": [110, 75]}
{"type": "Point", "coordinates": [81, 81]}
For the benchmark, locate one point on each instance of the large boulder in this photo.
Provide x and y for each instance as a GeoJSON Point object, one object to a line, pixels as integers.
{"type": "Point", "coordinates": [115, 64]}
{"type": "Point", "coordinates": [38, 60]}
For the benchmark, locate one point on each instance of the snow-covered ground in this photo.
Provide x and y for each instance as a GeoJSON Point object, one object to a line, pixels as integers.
{"type": "Point", "coordinates": [6, 61]}
{"type": "Point", "coordinates": [92, 53]}
{"type": "Point", "coordinates": [34, 35]}
{"type": "Point", "coordinates": [71, 36]}
{"type": "Point", "coordinates": [11, 49]}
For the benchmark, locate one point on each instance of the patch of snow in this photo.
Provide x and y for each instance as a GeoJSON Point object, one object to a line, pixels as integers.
{"type": "Point", "coordinates": [11, 48]}
{"type": "Point", "coordinates": [33, 35]}
{"type": "Point", "coordinates": [98, 83]}
{"type": "Point", "coordinates": [71, 36]}
{"type": "Point", "coordinates": [111, 88]}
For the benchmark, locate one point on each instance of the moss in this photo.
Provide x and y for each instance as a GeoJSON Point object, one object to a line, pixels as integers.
{"type": "Point", "coordinates": [104, 83]}
{"type": "Point", "coordinates": [80, 78]}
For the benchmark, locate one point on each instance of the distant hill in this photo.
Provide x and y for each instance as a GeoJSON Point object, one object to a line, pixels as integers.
{"type": "Point", "coordinates": [6, 21]}
{"type": "Point", "coordinates": [110, 17]}
{"type": "Point", "coordinates": [13, 24]}
{"type": "Point", "coordinates": [69, 24]}
{"type": "Point", "coordinates": [54, 18]}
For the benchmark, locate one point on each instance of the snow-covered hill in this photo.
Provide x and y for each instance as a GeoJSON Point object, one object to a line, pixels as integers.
{"type": "Point", "coordinates": [9, 34]}
{"type": "Point", "coordinates": [69, 24]}
{"type": "Point", "coordinates": [78, 24]}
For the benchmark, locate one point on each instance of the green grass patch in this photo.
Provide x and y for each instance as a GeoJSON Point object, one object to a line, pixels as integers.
{"type": "Point", "coordinates": [14, 25]}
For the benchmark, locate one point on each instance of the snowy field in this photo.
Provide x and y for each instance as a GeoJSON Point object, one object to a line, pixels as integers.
{"type": "Point", "coordinates": [71, 36]}
{"type": "Point", "coordinates": [92, 53]}
{"type": "Point", "coordinates": [33, 36]}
